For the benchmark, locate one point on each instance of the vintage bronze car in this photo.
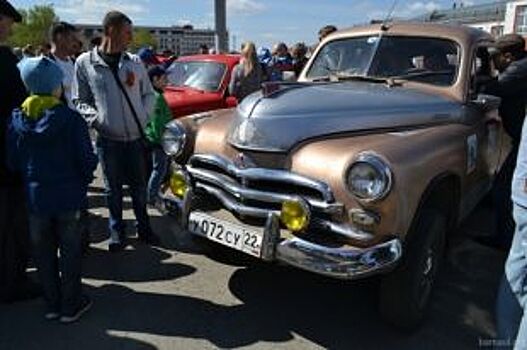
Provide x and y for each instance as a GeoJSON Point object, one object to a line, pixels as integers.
{"type": "Point", "coordinates": [362, 167]}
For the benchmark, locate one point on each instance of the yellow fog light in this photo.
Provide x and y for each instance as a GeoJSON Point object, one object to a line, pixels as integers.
{"type": "Point", "coordinates": [294, 215]}
{"type": "Point", "coordinates": [178, 184]}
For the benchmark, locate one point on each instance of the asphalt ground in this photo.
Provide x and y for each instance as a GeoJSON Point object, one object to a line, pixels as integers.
{"type": "Point", "coordinates": [189, 295]}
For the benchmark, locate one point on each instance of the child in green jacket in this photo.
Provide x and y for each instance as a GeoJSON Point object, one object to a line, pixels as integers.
{"type": "Point", "coordinates": [154, 132]}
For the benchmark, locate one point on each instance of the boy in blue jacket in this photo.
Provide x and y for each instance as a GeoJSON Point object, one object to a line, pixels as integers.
{"type": "Point", "coordinates": [49, 144]}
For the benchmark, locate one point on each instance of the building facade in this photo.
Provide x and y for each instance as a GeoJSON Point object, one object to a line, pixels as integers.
{"type": "Point", "coordinates": [516, 17]}
{"type": "Point", "coordinates": [181, 40]}
{"type": "Point", "coordinates": [489, 17]}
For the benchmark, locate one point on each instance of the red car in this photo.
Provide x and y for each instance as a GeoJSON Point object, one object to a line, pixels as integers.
{"type": "Point", "coordinates": [200, 83]}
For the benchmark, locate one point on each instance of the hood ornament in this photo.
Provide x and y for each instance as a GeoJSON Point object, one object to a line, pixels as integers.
{"type": "Point", "coordinates": [242, 161]}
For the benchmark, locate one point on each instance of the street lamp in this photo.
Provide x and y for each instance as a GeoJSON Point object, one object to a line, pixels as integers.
{"type": "Point", "coordinates": [220, 15]}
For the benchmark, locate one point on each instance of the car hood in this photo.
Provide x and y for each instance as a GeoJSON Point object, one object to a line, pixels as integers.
{"type": "Point", "coordinates": [304, 111]}
{"type": "Point", "coordinates": [183, 100]}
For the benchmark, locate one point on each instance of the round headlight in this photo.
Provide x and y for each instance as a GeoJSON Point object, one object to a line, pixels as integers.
{"type": "Point", "coordinates": [369, 178]}
{"type": "Point", "coordinates": [174, 138]}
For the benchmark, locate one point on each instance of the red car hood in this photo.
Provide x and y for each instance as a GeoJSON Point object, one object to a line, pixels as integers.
{"type": "Point", "coordinates": [184, 101]}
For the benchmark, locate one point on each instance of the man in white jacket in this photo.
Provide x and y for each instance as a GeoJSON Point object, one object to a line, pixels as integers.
{"type": "Point", "coordinates": [112, 90]}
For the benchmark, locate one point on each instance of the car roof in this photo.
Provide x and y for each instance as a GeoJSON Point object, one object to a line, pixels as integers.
{"type": "Point", "coordinates": [222, 58]}
{"type": "Point", "coordinates": [461, 34]}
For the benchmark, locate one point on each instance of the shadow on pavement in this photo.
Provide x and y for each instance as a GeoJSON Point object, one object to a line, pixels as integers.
{"type": "Point", "coordinates": [276, 304]}
{"type": "Point", "coordinates": [140, 264]}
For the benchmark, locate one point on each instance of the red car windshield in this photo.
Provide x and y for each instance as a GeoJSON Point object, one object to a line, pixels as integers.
{"type": "Point", "coordinates": [200, 75]}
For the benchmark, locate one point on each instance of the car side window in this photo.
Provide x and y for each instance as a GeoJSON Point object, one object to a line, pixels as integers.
{"type": "Point", "coordinates": [482, 71]}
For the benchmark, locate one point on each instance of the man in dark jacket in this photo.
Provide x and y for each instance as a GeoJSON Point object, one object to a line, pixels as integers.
{"type": "Point", "coordinates": [13, 220]}
{"type": "Point", "coordinates": [510, 59]}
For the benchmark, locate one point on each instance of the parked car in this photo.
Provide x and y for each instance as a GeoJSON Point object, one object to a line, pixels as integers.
{"type": "Point", "coordinates": [361, 168]}
{"type": "Point", "coordinates": [200, 83]}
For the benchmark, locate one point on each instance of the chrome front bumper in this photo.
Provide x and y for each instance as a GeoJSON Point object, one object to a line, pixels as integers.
{"type": "Point", "coordinates": [344, 263]}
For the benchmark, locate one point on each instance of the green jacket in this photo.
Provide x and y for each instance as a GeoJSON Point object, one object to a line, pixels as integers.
{"type": "Point", "coordinates": [156, 124]}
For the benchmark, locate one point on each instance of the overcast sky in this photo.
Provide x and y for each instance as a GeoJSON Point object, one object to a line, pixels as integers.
{"type": "Point", "coordinates": [262, 21]}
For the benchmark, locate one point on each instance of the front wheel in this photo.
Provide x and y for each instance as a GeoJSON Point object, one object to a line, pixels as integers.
{"type": "Point", "coordinates": [405, 293]}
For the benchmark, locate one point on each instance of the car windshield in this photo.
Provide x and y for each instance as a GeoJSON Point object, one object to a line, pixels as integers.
{"type": "Point", "coordinates": [427, 60]}
{"type": "Point", "coordinates": [200, 75]}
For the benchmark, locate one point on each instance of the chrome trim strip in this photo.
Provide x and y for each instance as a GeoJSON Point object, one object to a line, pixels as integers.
{"type": "Point", "coordinates": [236, 207]}
{"type": "Point", "coordinates": [345, 230]}
{"type": "Point", "coordinates": [265, 174]}
{"type": "Point", "coordinates": [240, 192]}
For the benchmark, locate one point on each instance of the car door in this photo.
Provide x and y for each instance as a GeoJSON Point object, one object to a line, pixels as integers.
{"type": "Point", "coordinates": [492, 140]}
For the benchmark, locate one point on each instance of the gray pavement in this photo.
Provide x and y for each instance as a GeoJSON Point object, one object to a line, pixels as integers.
{"type": "Point", "coordinates": [189, 295]}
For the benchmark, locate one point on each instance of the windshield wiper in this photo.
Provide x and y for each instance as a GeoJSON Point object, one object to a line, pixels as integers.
{"type": "Point", "coordinates": [423, 74]}
{"type": "Point", "coordinates": [337, 77]}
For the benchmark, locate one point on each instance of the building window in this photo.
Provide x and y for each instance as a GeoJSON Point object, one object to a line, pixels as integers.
{"type": "Point", "coordinates": [521, 20]}
{"type": "Point", "coordinates": [496, 31]}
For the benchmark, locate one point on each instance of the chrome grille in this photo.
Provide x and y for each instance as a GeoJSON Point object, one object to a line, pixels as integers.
{"type": "Point", "coordinates": [258, 191]}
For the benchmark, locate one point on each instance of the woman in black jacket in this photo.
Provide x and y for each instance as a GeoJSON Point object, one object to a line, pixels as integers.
{"type": "Point", "coordinates": [14, 239]}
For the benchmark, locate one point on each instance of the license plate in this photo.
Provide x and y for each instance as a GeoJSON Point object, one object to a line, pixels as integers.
{"type": "Point", "coordinates": [232, 235]}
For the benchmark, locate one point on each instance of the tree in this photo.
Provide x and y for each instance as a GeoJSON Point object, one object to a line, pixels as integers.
{"type": "Point", "coordinates": [143, 38]}
{"type": "Point", "coordinates": [35, 26]}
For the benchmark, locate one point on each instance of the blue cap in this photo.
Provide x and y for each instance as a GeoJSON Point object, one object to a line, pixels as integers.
{"type": "Point", "coordinates": [264, 55]}
{"type": "Point", "coordinates": [41, 75]}
{"type": "Point", "coordinates": [147, 56]}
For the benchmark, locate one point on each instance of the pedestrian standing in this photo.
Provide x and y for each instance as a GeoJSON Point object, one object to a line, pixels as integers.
{"type": "Point", "coordinates": [63, 47]}
{"type": "Point", "coordinates": [325, 31]}
{"type": "Point", "coordinates": [280, 63]}
{"type": "Point", "coordinates": [299, 53]}
{"type": "Point", "coordinates": [247, 76]}
{"type": "Point", "coordinates": [511, 61]}
{"type": "Point", "coordinates": [154, 132]}
{"type": "Point", "coordinates": [112, 90]}
{"type": "Point", "coordinates": [14, 237]}
{"type": "Point", "coordinates": [50, 145]}
{"type": "Point", "coordinates": [511, 86]}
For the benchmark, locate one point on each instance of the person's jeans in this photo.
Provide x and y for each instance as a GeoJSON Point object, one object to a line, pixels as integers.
{"type": "Point", "coordinates": [159, 171]}
{"type": "Point", "coordinates": [61, 280]}
{"type": "Point", "coordinates": [124, 163]}
{"type": "Point", "coordinates": [512, 295]}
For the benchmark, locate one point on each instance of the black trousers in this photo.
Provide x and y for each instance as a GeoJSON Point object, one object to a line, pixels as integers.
{"type": "Point", "coordinates": [504, 229]}
{"type": "Point", "coordinates": [14, 243]}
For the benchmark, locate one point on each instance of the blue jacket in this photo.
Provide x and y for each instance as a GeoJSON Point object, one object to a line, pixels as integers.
{"type": "Point", "coordinates": [54, 153]}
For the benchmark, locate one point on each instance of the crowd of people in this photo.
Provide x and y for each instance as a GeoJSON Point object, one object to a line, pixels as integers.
{"type": "Point", "coordinates": [47, 159]}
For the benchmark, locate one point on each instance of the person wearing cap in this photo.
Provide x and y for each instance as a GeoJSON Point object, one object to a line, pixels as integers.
{"type": "Point", "coordinates": [14, 237]}
{"type": "Point", "coordinates": [50, 145]}
{"type": "Point", "coordinates": [511, 61]}
{"type": "Point", "coordinates": [148, 57]}
{"type": "Point", "coordinates": [154, 131]}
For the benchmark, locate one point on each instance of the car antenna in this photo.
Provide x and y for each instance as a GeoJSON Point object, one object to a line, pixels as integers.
{"type": "Point", "coordinates": [384, 25]}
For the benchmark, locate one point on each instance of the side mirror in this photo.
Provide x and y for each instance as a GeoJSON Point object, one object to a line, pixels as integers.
{"type": "Point", "coordinates": [231, 102]}
{"type": "Point", "coordinates": [487, 102]}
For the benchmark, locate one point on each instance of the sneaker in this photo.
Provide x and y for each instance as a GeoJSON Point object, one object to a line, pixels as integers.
{"type": "Point", "coordinates": [51, 315]}
{"type": "Point", "coordinates": [85, 305]}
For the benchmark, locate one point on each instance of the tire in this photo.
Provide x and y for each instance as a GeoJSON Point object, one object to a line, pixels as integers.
{"type": "Point", "coordinates": [405, 293]}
